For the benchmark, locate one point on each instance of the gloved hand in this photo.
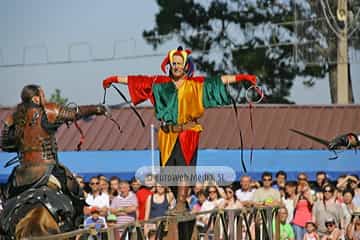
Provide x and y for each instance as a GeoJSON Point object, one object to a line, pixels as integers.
{"type": "Point", "coordinates": [246, 77]}
{"type": "Point", "coordinates": [110, 80]}
{"type": "Point", "coordinates": [349, 140]}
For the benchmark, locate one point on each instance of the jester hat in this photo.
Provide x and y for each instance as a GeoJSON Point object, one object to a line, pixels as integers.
{"type": "Point", "coordinates": [188, 64]}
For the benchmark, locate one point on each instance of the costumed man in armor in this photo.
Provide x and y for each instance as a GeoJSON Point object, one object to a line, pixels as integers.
{"type": "Point", "coordinates": [179, 100]}
{"type": "Point", "coordinates": [30, 132]}
{"type": "Point", "coordinates": [349, 140]}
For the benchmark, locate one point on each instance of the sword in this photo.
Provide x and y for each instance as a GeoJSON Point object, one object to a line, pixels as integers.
{"type": "Point", "coordinates": [316, 139]}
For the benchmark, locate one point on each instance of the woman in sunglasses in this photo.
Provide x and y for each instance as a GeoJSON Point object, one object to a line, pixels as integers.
{"type": "Point", "coordinates": [230, 201]}
{"type": "Point", "coordinates": [327, 208]}
{"type": "Point", "coordinates": [303, 205]}
{"type": "Point", "coordinates": [214, 201]}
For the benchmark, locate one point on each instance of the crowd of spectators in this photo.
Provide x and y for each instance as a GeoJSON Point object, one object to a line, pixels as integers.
{"type": "Point", "coordinates": [322, 209]}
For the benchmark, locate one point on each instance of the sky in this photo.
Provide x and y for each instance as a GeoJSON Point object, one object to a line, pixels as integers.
{"type": "Point", "coordinates": [40, 31]}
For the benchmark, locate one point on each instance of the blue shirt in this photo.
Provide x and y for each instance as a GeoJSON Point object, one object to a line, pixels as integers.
{"type": "Point", "coordinates": [99, 223]}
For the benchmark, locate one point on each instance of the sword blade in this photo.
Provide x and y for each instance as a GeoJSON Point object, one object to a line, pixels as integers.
{"type": "Point", "coordinates": [314, 138]}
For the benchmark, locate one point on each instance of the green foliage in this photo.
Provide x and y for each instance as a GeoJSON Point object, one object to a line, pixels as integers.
{"type": "Point", "coordinates": [57, 98]}
{"type": "Point", "coordinates": [243, 36]}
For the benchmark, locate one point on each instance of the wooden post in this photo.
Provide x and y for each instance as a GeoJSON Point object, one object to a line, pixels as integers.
{"type": "Point", "coordinates": [342, 57]}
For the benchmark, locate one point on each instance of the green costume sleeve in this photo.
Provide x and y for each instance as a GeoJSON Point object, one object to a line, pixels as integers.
{"type": "Point", "coordinates": [166, 107]}
{"type": "Point", "coordinates": [215, 93]}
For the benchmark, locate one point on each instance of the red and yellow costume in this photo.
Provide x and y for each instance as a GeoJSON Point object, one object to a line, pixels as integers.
{"type": "Point", "coordinates": [180, 106]}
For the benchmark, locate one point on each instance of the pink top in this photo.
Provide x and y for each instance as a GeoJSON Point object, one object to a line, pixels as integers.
{"type": "Point", "coordinates": [197, 207]}
{"type": "Point", "coordinates": [311, 236]}
{"type": "Point", "coordinates": [302, 213]}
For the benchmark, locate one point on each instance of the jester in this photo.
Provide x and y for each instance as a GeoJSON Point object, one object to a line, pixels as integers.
{"type": "Point", "coordinates": [29, 132]}
{"type": "Point", "coordinates": [179, 100]}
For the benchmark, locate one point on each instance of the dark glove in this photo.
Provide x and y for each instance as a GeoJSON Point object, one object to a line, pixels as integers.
{"type": "Point", "coordinates": [103, 110]}
{"type": "Point", "coordinates": [89, 110]}
{"type": "Point", "coordinates": [349, 140]}
{"type": "Point", "coordinates": [110, 80]}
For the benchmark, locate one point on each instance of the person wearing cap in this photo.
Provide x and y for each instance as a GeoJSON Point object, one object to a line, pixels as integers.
{"type": "Point", "coordinates": [332, 231]}
{"type": "Point", "coordinates": [95, 220]}
{"type": "Point", "coordinates": [179, 100]}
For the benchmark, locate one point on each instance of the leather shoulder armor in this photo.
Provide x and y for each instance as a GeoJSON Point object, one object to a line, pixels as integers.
{"type": "Point", "coordinates": [52, 111]}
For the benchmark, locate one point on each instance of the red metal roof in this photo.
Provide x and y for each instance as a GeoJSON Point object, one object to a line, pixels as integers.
{"type": "Point", "coordinates": [271, 124]}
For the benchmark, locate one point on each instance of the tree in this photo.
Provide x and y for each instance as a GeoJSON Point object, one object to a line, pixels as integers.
{"type": "Point", "coordinates": [246, 36]}
{"type": "Point", "coordinates": [57, 98]}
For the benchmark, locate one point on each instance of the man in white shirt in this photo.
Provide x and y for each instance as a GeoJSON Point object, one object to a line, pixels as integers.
{"type": "Point", "coordinates": [96, 198]}
{"type": "Point", "coordinates": [245, 193]}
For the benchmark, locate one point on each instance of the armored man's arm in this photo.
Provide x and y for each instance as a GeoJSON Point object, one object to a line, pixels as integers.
{"type": "Point", "coordinates": [60, 114]}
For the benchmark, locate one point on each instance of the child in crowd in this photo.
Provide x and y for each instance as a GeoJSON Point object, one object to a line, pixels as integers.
{"type": "Point", "coordinates": [111, 220]}
{"type": "Point", "coordinates": [311, 233]}
{"type": "Point", "coordinates": [332, 233]}
{"type": "Point", "coordinates": [95, 221]}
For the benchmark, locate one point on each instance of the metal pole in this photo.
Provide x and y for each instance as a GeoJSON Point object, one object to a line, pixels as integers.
{"type": "Point", "coordinates": [152, 142]}
{"type": "Point", "coordinates": [342, 57]}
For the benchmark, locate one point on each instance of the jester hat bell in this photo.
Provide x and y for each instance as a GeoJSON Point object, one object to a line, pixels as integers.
{"type": "Point", "coordinates": [188, 64]}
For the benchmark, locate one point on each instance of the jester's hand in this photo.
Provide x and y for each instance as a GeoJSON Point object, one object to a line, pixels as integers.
{"type": "Point", "coordinates": [110, 80]}
{"type": "Point", "coordinates": [246, 77]}
{"type": "Point", "coordinates": [349, 140]}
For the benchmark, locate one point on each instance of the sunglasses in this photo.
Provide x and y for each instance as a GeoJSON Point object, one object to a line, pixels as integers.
{"type": "Point", "coordinates": [267, 179]}
{"type": "Point", "coordinates": [93, 183]}
{"type": "Point", "coordinates": [329, 224]}
{"type": "Point", "coordinates": [212, 191]}
{"type": "Point", "coordinates": [302, 179]}
{"type": "Point", "coordinates": [328, 190]}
